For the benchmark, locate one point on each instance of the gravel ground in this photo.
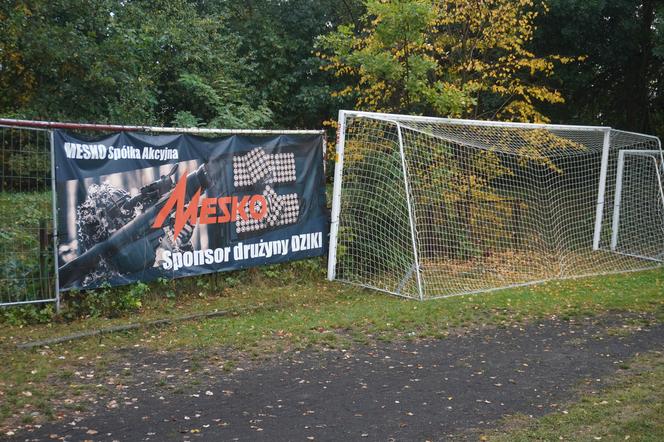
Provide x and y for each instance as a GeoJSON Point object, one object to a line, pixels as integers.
{"type": "Point", "coordinates": [417, 390]}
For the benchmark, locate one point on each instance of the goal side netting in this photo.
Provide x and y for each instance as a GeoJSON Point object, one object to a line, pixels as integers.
{"type": "Point", "coordinates": [429, 207]}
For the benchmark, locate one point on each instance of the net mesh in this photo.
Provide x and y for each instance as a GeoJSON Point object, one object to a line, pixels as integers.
{"type": "Point", "coordinates": [462, 208]}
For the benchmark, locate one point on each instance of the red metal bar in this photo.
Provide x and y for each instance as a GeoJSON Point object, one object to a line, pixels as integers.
{"type": "Point", "coordinates": [72, 126]}
{"type": "Point", "coordinates": [45, 125]}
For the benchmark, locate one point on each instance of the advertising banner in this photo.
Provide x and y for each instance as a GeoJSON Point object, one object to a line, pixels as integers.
{"type": "Point", "coordinates": [135, 207]}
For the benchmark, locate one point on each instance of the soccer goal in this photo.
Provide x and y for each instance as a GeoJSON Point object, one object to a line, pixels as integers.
{"type": "Point", "coordinates": [433, 207]}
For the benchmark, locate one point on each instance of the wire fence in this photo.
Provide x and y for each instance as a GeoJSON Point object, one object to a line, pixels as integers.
{"type": "Point", "coordinates": [27, 266]}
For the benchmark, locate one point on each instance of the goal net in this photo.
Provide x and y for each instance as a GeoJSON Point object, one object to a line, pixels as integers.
{"type": "Point", "coordinates": [430, 207]}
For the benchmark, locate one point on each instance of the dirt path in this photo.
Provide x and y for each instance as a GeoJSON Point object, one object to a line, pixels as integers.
{"type": "Point", "coordinates": [431, 390]}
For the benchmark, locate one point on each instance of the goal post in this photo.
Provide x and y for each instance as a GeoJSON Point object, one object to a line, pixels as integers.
{"type": "Point", "coordinates": [336, 195]}
{"type": "Point", "coordinates": [395, 252]}
{"type": "Point", "coordinates": [635, 203]}
{"type": "Point", "coordinates": [601, 191]}
{"type": "Point", "coordinates": [428, 207]}
{"type": "Point", "coordinates": [416, 270]}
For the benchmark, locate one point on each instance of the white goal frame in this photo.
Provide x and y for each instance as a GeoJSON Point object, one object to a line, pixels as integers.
{"type": "Point", "coordinates": [398, 120]}
{"type": "Point", "coordinates": [658, 164]}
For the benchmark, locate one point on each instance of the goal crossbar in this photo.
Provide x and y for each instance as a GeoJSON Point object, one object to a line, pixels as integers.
{"type": "Point", "coordinates": [464, 122]}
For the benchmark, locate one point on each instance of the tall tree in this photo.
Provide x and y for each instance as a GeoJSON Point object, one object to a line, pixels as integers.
{"type": "Point", "coordinates": [467, 58]}
{"type": "Point", "coordinates": [131, 62]}
{"type": "Point", "coordinates": [278, 38]}
{"type": "Point", "coordinates": [621, 81]}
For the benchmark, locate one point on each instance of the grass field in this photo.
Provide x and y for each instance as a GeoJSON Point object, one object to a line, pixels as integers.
{"type": "Point", "coordinates": [449, 277]}
{"type": "Point", "coordinates": [271, 314]}
{"type": "Point", "coordinates": [630, 409]}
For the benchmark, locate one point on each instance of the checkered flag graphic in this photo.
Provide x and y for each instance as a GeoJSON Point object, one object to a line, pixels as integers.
{"type": "Point", "coordinates": [257, 166]}
{"type": "Point", "coordinates": [281, 210]}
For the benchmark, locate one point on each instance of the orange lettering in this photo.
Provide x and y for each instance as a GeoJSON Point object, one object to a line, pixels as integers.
{"type": "Point", "coordinates": [208, 211]}
{"type": "Point", "coordinates": [252, 207]}
{"type": "Point", "coordinates": [177, 199]}
{"type": "Point", "coordinates": [225, 214]}
{"type": "Point", "coordinates": [188, 213]}
{"type": "Point", "coordinates": [238, 208]}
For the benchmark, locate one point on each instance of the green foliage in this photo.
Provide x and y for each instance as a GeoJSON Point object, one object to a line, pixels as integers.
{"type": "Point", "coordinates": [362, 244]}
{"type": "Point", "coordinates": [24, 266]}
{"type": "Point", "coordinates": [222, 103]}
{"type": "Point", "coordinates": [449, 58]}
{"type": "Point", "coordinates": [25, 159]}
{"type": "Point", "coordinates": [114, 302]}
{"type": "Point", "coordinates": [27, 314]}
{"type": "Point", "coordinates": [130, 62]}
{"type": "Point", "coordinates": [165, 287]}
{"type": "Point", "coordinates": [277, 39]}
{"type": "Point", "coordinates": [305, 271]}
{"type": "Point", "coordinates": [105, 301]}
{"type": "Point", "coordinates": [251, 63]}
{"type": "Point", "coordinates": [224, 64]}
{"type": "Point", "coordinates": [620, 83]}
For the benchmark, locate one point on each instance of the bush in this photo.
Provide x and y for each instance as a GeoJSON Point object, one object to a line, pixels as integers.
{"type": "Point", "coordinates": [105, 302]}
{"type": "Point", "coordinates": [112, 302]}
{"type": "Point", "coordinates": [27, 314]}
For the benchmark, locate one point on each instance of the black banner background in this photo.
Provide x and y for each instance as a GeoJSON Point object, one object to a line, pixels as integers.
{"type": "Point", "coordinates": [110, 190]}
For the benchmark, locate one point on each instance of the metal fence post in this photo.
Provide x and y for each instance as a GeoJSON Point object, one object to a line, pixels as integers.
{"type": "Point", "coordinates": [55, 222]}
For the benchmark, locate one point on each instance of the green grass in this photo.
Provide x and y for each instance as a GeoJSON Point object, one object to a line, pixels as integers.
{"type": "Point", "coordinates": [309, 314]}
{"type": "Point", "coordinates": [631, 409]}
{"type": "Point", "coordinates": [273, 314]}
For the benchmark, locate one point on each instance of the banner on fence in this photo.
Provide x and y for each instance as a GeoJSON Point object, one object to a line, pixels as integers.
{"type": "Point", "coordinates": [134, 207]}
